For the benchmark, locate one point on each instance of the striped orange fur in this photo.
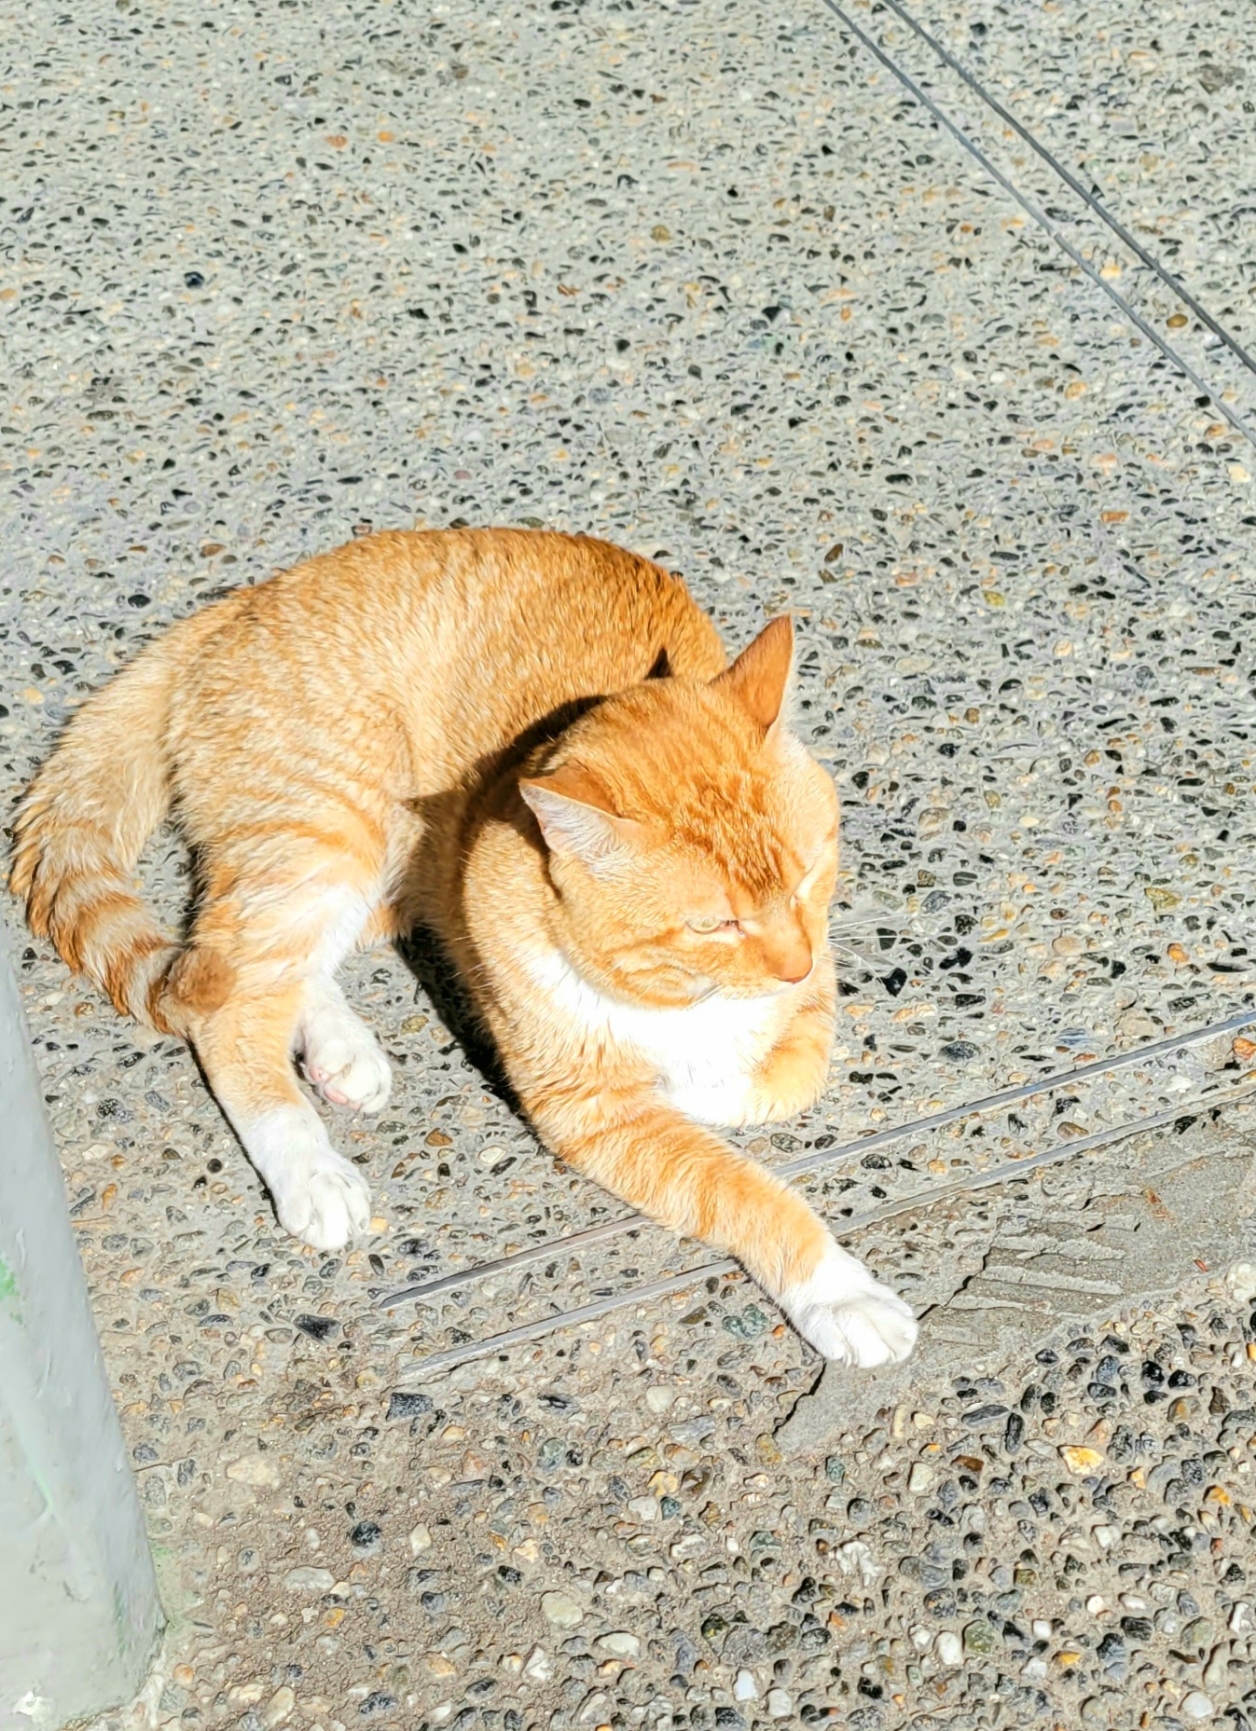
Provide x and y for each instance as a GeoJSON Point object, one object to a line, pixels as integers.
{"type": "Point", "coordinates": [532, 744]}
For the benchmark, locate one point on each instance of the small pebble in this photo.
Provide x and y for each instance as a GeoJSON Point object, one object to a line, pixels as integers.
{"type": "Point", "coordinates": [980, 1637]}
{"type": "Point", "coordinates": [619, 1644]}
{"type": "Point", "coordinates": [562, 1610]}
{"type": "Point", "coordinates": [744, 1687]}
{"type": "Point", "coordinates": [950, 1649]}
{"type": "Point", "coordinates": [779, 1704]}
{"type": "Point", "coordinates": [1218, 1667]}
{"type": "Point", "coordinates": [278, 1707]}
{"type": "Point", "coordinates": [1197, 1706]}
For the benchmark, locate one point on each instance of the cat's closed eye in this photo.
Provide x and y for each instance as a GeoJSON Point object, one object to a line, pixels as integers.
{"type": "Point", "coordinates": [706, 926]}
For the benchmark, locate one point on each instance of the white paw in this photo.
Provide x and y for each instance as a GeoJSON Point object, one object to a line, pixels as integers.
{"type": "Point", "coordinates": [848, 1315]}
{"type": "Point", "coordinates": [319, 1197]}
{"type": "Point", "coordinates": [342, 1059]}
{"type": "Point", "coordinates": [327, 1208]}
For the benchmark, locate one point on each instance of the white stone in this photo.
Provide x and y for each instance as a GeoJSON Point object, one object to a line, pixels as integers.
{"type": "Point", "coordinates": [780, 1706]}
{"type": "Point", "coordinates": [1034, 1670]}
{"type": "Point", "coordinates": [561, 1610]}
{"type": "Point", "coordinates": [538, 1666]}
{"type": "Point", "coordinates": [1197, 1706]}
{"type": "Point", "coordinates": [1095, 1605]}
{"type": "Point", "coordinates": [1105, 1537]}
{"type": "Point", "coordinates": [920, 1638]}
{"type": "Point", "coordinates": [253, 1470]}
{"type": "Point", "coordinates": [660, 1397]}
{"type": "Point", "coordinates": [1242, 1622]}
{"type": "Point", "coordinates": [1041, 1629]}
{"type": "Point", "coordinates": [620, 1644]}
{"type": "Point", "coordinates": [307, 1580]}
{"type": "Point", "coordinates": [1218, 1667]}
{"type": "Point", "coordinates": [744, 1687]}
{"type": "Point", "coordinates": [278, 1707]}
{"type": "Point", "coordinates": [920, 1479]}
{"type": "Point", "coordinates": [643, 1509]}
{"type": "Point", "coordinates": [856, 1557]}
{"type": "Point", "coordinates": [950, 1650]}
{"type": "Point", "coordinates": [420, 1540]}
{"type": "Point", "coordinates": [1241, 1282]}
{"type": "Point", "coordinates": [688, 1545]}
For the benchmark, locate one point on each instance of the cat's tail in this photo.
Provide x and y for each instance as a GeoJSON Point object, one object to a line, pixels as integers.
{"type": "Point", "coordinates": [81, 826]}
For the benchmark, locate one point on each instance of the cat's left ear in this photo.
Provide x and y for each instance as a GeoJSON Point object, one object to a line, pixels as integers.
{"type": "Point", "coordinates": [760, 676]}
{"type": "Point", "coordinates": [576, 817]}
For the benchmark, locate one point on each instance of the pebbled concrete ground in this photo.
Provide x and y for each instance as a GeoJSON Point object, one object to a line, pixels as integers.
{"type": "Point", "coordinates": [720, 288]}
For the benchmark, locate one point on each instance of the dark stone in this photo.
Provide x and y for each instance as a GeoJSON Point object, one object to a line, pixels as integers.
{"type": "Point", "coordinates": [403, 1405]}
{"type": "Point", "coordinates": [317, 1327]}
{"type": "Point", "coordinates": [1113, 1655]}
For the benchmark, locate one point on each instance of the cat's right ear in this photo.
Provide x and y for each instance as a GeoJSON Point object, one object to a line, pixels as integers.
{"type": "Point", "coordinates": [760, 677]}
{"type": "Point", "coordinates": [575, 817]}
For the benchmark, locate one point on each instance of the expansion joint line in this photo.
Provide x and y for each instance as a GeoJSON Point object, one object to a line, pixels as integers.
{"type": "Point", "coordinates": [1088, 196]}
{"type": "Point", "coordinates": [820, 1159]}
{"type": "Point", "coordinates": [1009, 1172]}
{"type": "Point", "coordinates": [1043, 221]}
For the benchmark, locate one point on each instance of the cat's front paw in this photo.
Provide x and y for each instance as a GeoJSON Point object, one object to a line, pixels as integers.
{"type": "Point", "coordinates": [318, 1196]}
{"type": "Point", "coordinates": [848, 1315]}
{"type": "Point", "coordinates": [327, 1205]}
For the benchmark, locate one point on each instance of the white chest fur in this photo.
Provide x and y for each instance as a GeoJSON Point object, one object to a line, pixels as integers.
{"type": "Point", "coordinates": [703, 1055]}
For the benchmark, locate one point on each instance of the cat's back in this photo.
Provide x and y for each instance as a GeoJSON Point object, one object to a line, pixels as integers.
{"type": "Point", "coordinates": [463, 637]}
{"type": "Point", "coordinates": [535, 590]}
{"type": "Point", "coordinates": [578, 601]}
{"type": "Point", "coordinates": [486, 630]}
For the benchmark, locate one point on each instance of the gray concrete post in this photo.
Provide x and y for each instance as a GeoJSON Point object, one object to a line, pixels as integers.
{"type": "Point", "coordinates": [79, 1613]}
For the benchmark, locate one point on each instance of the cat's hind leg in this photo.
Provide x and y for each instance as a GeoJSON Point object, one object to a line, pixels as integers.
{"type": "Point", "coordinates": [242, 991]}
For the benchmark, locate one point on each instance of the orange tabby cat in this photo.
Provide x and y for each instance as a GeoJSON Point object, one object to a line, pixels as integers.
{"type": "Point", "coordinates": [531, 744]}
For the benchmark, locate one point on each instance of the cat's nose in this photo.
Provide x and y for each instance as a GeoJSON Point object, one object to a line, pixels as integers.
{"type": "Point", "coordinates": [792, 962]}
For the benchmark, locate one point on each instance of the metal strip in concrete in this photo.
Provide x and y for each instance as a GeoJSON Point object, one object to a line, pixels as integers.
{"type": "Point", "coordinates": [1088, 196]}
{"type": "Point", "coordinates": [608, 1229]}
{"type": "Point", "coordinates": [1009, 1172]}
{"type": "Point", "coordinates": [1032, 208]}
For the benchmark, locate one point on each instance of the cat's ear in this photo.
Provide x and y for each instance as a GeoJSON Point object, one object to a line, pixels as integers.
{"type": "Point", "coordinates": [760, 677]}
{"type": "Point", "coordinates": [576, 816]}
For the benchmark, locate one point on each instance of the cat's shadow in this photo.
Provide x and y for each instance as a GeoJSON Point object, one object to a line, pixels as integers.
{"type": "Point", "coordinates": [422, 953]}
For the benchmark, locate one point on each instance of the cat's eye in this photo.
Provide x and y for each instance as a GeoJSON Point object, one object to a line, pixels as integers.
{"type": "Point", "coordinates": [707, 926]}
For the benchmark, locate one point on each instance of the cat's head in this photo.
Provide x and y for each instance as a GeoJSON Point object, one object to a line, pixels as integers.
{"type": "Point", "coordinates": [692, 838]}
